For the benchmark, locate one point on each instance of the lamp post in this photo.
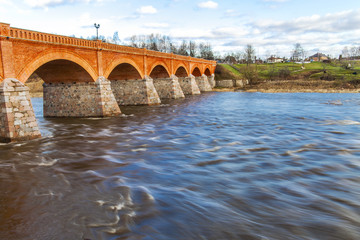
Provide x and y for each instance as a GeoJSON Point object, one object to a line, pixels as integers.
{"type": "Point", "coordinates": [97, 30]}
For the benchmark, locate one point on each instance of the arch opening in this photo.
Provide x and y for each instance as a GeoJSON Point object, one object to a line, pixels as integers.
{"type": "Point", "coordinates": [196, 72]}
{"type": "Point", "coordinates": [57, 71]}
{"type": "Point", "coordinates": [159, 72]}
{"type": "Point", "coordinates": [181, 72]}
{"type": "Point", "coordinates": [124, 71]}
{"type": "Point", "coordinates": [207, 72]}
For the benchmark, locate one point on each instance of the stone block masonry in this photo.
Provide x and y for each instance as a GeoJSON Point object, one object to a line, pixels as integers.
{"type": "Point", "coordinates": [168, 88]}
{"type": "Point", "coordinates": [17, 118]}
{"type": "Point", "coordinates": [92, 99]}
{"type": "Point", "coordinates": [211, 80]}
{"type": "Point", "coordinates": [135, 92]}
{"type": "Point", "coordinates": [189, 85]}
{"type": "Point", "coordinates": [225, 83]}
{"type": "Point", "coordinates": [203, 83]}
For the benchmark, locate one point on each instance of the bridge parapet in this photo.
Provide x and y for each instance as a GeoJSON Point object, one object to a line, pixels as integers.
{"type": "Point", "coordinates": [18, 33]}
{"type": "Point", "coordinates": [23, 34]}
{"type": "Point", "coordinates": [120, 48]}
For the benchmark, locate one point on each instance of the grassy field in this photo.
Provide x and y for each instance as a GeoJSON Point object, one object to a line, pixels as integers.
{"type": "Point", "coordinates": [294, 76]}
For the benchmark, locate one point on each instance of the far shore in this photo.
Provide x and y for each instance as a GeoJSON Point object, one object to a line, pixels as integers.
{"type": "Point", "coordinates": [251, 90]}
{"type": "Point", "coordinates": [286, 90]}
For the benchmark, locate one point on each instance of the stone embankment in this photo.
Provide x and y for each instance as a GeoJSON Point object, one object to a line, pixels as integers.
{"type": "Point", "coordinates": [231, 83]}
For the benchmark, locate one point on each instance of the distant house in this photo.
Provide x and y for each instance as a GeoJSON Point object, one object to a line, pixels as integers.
{"type": "Point", "coordinates": [319, 57]}
{"type": "Point", "coordinates": [273, 59]}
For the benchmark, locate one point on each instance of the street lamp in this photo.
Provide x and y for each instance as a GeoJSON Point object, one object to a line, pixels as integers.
{"type": "Point", "coordinates": [97, 30]}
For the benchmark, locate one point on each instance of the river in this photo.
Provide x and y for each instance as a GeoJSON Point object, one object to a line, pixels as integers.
{"type": "Point", "coordinates": [215, 166]}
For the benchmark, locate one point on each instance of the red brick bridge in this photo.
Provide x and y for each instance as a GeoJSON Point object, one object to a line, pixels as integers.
{"type": "Point", "coordinates": [85, 78]}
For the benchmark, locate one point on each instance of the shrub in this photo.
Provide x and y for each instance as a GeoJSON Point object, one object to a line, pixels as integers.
{"type": "Point", "coordinates": [251, 74]}
{"type": "Point", "coordinates": [284, 73]}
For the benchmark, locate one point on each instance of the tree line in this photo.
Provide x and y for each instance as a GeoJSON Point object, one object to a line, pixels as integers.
{"type": "Point", "coordinates": [351, 53]}
{"type": "Point", "coordinates": [163, 43]}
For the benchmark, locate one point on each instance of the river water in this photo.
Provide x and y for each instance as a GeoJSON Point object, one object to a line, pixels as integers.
{"type": "Point", "coordinates": [214, 166]}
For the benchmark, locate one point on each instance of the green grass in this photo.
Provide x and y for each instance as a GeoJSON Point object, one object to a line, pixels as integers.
{"type": "Point", "coordinates": [226, 72]}
{"type": "Point", "coordinates": [231, 69]}
{"type": "Point", "coordinates": [314, 70]}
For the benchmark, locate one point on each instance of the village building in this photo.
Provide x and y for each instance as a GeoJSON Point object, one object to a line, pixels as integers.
{"type": "Point", "coordinates": [318, 57]}
{"type": "Point", "coordinates": [274, 59]}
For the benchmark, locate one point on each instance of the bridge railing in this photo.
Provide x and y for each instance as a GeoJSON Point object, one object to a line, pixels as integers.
{"type": "Point", "coordinates": [120, 48]}
{"type": "Point", "coordinates": [18, 33]}
{"type": "Point", "coordinates": [52, 38]}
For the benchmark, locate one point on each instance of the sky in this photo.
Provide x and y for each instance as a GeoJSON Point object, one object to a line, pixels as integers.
{"type": "Point", "coordinates": [271, 26]}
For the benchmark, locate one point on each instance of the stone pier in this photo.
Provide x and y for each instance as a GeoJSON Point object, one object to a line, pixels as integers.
{"type": "Point", "coordinates": [211, 80]}
{"type": "Point", "coordinates": [90, 99]}
{"type": "Point", "coordinates": [189, 85]}
{"type": "Point", "coordinates": [135, 92]}
{"type": "Point", "coordinates": [203, 83]}
{"type": "Point", "coordinates": [17, 118]}
{"type": "Point", "coordinates": [168, 87]}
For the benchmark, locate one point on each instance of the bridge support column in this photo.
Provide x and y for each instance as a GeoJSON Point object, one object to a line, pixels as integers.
{"type": "Point", "coordinates": [168, 87]}
{"type": "Point", "coordinates": [17, 118]}
{"type": "Point", "coordinates": [135, 92]}
{"type": "Point", "coordinates": [91, 99]}
{"type": "Point", "coordinates": [203, 83]}
{"type": "Point", "coordinates": [189, 85]}
{"type": "Point", "coordinates": [211, 80]}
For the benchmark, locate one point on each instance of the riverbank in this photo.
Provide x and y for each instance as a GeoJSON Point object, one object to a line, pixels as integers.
{"type": "Point", "coordinates": [280, 90]}
{"type": "Point", "coordinates": [292, 86]}
{"type": "Point", "coordinates": [290, 77]}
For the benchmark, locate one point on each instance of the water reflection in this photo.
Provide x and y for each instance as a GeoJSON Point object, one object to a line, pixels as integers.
{"type": "Point", "coordinates": [215, 166]}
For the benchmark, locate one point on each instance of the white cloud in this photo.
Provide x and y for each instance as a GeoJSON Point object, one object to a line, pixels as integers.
{"type": "Point", "coordinates": [53, 3]}
{"type": "Point", "coordinates": [5, 2]}
{"type": "Point", "coordinates": [156, 25]}
{"type": "Point", "coordinates": [146, 10]}
{"type": "Point", "coordinates": [336, 22]}
{"type": "Point", "coordinates": [231, 13]}
{"type": "Point", "coordinates": [278, 1]}
{"type": "Point", "coordinates": [208, 4]}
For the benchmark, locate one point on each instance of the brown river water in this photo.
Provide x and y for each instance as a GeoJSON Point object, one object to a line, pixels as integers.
{"type": "Point", "coordinates": [215, 166]}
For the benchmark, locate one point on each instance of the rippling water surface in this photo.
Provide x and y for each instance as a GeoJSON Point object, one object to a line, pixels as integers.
{"type": "Point", "coordinates": [215, 166]}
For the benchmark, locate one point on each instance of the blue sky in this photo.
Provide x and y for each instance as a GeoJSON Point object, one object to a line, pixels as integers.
{"type": "Point", "coordinates": [272, 26]}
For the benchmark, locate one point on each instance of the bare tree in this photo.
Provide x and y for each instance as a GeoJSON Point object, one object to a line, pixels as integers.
{"type": "Point", "coordinates": [298, 53]}
{"type": "Point", "coordinates": [116, 39]}
{"type": "Point", "coordinates": [206, 51]}
{"type": "Point", "coordinates": [183, 49]}
{"type": "Point", "coordinates": [345, 52]}
{"type": "Point", "coordinates": [353, 52]}
{"type": "Point", "coordinates": [192, 49]}
{"type": "Point", "coordinates": [153, 42]}
{"type": "Point", "coordinates": [249, 54]}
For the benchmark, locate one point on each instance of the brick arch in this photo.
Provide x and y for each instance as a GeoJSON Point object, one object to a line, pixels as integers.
{"type": "Point", "coordinates": [197, 66]}
{"type": "Point", "coordinates": [207, 72]}
{"type": "Point", "coordinates": [196, 72]}
{"type": "Point", "coordinates": [211, 69]}
{"type": "Point", "coordinates": [52, 56]}
{"type": "Point", "coordinates": [160, 63]}
{"type": "Point", "coordinates": [179, 66]}
{"type": "Point", "coordinates": [116, 62]}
